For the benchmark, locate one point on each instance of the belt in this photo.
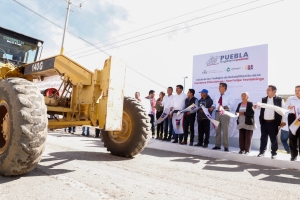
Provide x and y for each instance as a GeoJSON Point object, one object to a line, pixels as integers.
{"type": "Point", "coordinates": [269, 120]}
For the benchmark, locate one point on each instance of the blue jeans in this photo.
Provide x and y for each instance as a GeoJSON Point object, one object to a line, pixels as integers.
{"type": "Point", "coordinates": [73, 129]}
{"type": "Point", "coordinates": [87, 130]}
{"type": "Point", "coordinates": [168, 124]}
{"type": "Point", "coordinates": [284, 138]}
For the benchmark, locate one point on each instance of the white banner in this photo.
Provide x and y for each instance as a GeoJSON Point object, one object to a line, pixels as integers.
{"type": "Point", "coordinates": [192, 109]}
{"type": "Point", "coordinates": [244, 70]}
{"type": "Point", "coordinates": [279, 110]}
{"type": "Point", "coordinates": [163, 116]}
{"type": "Point", "coordinates": [224, 112]}
{"type": "Point", "coordinates": [214, 122]}
{"type": "Point", "coordinates": [177, 121]}
{"type": "Point", "coordinates": [295, 126]}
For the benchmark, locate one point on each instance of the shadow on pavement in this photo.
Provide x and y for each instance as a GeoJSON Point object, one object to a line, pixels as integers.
{"type": "Point", "coordinates": [268, 174]}
{"type": "Point", "coordinates": [60, 158]}
{"type": "Point", "coordinates": [38, 171]}
{"type": "Point", "coordinates": [256, 171]}
{"type": "Point", "coordinates": [167, 154]}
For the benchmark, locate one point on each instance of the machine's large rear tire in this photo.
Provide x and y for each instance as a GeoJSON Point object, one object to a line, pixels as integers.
{"type": "Point", "coordinates": [136, 131]}
{"type": "Point", "coordinates": [23, 126]}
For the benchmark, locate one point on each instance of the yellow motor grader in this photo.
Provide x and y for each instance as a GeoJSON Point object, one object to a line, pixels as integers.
{"type": "Point", "coordinates": [82, 98]}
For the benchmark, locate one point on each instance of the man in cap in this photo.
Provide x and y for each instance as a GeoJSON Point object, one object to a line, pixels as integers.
{"type": "Point", "coordinates": [203, 121]}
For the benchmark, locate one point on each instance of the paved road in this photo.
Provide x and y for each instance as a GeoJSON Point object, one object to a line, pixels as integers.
{"type": "Point", "coordinates": [76, 167]}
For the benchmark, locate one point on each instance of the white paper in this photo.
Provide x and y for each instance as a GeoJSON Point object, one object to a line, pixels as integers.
{"type": "Point", "coordinates": [163, 116]}
{"type": "Point", "coordinates": [295, 126]}
{"type": "Point", "coordinates": [224, 112]}
{"type": "Point", "coordinates": [214, 122]}
{"type": "Point", "coordinates": [192, 109]}
{"type": "Point", "coordinates": [177, 121]}
{"type": "Point", "coordinates": [279, 110]}
{"type": "Point", "coordinates": [297, 111]}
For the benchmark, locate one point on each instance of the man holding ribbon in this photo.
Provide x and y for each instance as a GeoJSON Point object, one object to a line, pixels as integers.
{"type": "Point", "coordinates": [270, 121]}
{"type": "Point", "coordinates": [225, 100]}
{"type": "Point", "coordinates": [292, 104]}
{"type": "Point", "coordinates": [178, 104]}
{"type": "Point", "coordinates": [189, 117]}
{"type": "Point", "coordinates": [203, 121]}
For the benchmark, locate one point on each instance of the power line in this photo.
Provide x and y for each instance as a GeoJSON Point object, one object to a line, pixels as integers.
{"type": "Point", "coordinates": [24, 22]}
{"type": "Point", "coordinates": [184, 28]}
{"type": "Point", "coordinates": [59, 26]}
{"type": "Point", "coordinates": [155, 24]}
{"type": "Point", "coordinates": [59, 2]}
{"type": "Point", "coordinates": [42, 29]}
{"type": "Point", "coordinates": [169, 26]}
{"type": "Point", "coordinates": [136, 87]}
{"type": "Point", "coordinates": [83, 40]}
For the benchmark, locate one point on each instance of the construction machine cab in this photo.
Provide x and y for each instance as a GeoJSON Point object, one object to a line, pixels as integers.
{"type": "Point", "coordinates": [17, 48]}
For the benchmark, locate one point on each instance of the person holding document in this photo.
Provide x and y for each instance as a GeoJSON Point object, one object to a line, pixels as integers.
{"type": "Point", "coordinates": [189, 118]}
{"type": "Point", "coordinates": [245, 123]}
{"type": "Point", "coordinates": [159, 112]}
{"type": "Point", "coordinates": [166, 103]}
{"type": "Point", "coordinates": [203, 121]}
{"type": "Point", "coordinates": [178, 104]}
{"type": "Point", "coordinates": [292, 104]}
{"type": "Point", "coordinates": [270, 122]}
{"type": "Point", "coordinates": [227, 101]}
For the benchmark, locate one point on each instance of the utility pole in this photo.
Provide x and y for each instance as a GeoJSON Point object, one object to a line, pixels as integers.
{"type": "Point", "coordinates": [66, 24]}
{"type": "Point", "coordinates": [184, 82]}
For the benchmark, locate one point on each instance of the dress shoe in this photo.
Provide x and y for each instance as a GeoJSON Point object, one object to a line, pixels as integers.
{"type": "Point", "coordinates": [216, 148]}
{"type": "Point", "coordinates": [175, 141]}
{"type": "Point", "coordinates": [191, 144]}
{"type": "Point", "coordinates": [246, 153]}
{"type": "Point", "coordinates": [160, 138]}
{"type": "Point", "coordinates": [226, 149]}
{"type": "Point", "coordinates": [183, 143]}
{"type": "Point", "coordinates": [293, 158]}
{"type": "Point", "coordinates": [164, 139]}
{"type": "Point", "coordinates": [157, 138]}
{"type": "Point", "coordinates": [198, 145]}
{"type": "Point", "coordinates": [273, 156]}
{"type": "Point", "coordinates": [261, 155]}
{"type": "Point", "coordinates": [169, 139]}
{"type": "Point", "coordinates": [288, 152]}
{"type": "Point", "coordinates": [205, 146]}
{"type": "Point", "coordinates": [241, 152]}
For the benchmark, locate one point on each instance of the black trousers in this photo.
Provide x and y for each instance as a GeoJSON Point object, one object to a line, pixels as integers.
{"type": "Point", "coordinates": [293, 138]}
{"type": "Point", "coordinates": [189, 121]}
{"type": "Point", "coordinates": [203, 129]}
{"type": "Point", "coordinates": [152, 123]}
{"type": "Point", "coordinates": [269, 129]}
{"type": "Point", "coordinates": [160, 127]}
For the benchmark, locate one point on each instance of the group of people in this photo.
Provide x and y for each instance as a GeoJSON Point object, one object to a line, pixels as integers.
{"type": "Point", "coordinates": [270, 121]}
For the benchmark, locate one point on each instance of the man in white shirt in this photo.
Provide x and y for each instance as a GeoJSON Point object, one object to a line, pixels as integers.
{"type": "Point", "coordinates": [225, 100]}
{"type": "Point", "coordinates": [292, 103]}
{"type": "Point", "coordinates": [166, 103]}
{"type": "Point", "coordinates": [178, 104]}
{"type": "Point", "coordinates": [270, 121]}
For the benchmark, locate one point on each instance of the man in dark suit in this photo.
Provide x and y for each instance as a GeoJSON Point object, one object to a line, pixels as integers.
{"type": "Point", "coordinates": [270, 121]}
{"type": "Point", "coordinates": [189, 118]}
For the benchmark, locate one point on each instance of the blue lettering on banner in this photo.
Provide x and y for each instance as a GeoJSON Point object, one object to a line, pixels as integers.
{"type": "Point", "coordinates": [163, 115]}
{"type": "Point", "coordinates": [234, 57]}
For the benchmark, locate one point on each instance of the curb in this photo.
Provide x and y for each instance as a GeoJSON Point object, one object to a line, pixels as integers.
{"type": "Point", "coordinates": [282, 160]}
